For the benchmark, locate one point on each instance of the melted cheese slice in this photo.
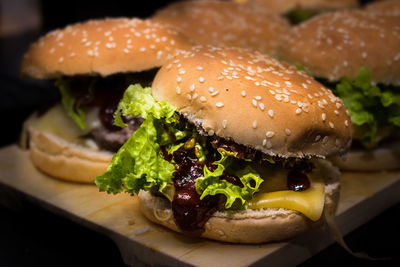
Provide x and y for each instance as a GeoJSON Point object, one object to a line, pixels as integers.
{"type": "Point", "coordinates": [272, 194]}
{"type": "Point", "coordinates": [57, 122]}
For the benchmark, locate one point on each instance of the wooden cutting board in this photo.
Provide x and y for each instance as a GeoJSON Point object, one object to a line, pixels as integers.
{"type": "Point", "coordinates": [363, 196]}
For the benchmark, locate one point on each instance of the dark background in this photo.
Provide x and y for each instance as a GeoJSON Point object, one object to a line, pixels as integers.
{"type": "Point", "coordinates": [31, 236]}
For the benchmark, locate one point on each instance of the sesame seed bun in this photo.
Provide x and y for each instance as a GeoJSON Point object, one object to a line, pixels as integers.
{"type": "Point", "coordinates": [225, 24]}
{"type": "Point", "coordinates": [102, 47]}
{"type": "Point", "coordinates": [282, 6]}
{"type": "Point", "coordinates": [65, 160]}
{"type": "Point", "coordinates": [388, 7]}
{"type": "Point", "coordinates": [97, 47]}
{"type": "Point", "coordinates": [250, 226]}
{"type": "Point", "coordinates": [256, 101]}
{"type": "Point", "coordinates": [338, 44]}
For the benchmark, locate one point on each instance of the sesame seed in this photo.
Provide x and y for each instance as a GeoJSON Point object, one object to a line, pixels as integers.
{"type": "Point", "coordinates": [325, 140]}
{"type": "Point", "coordinates": [257, 97]}
{"type": "Point", "coordinates": [337, 142]}
{"type": "Point", "coordinates": [224, 122]}
{"type": "Point", "coordinates": [243, 93]}
{"type": "Point", "coordinates": [254, 124]}
{"type": "Point", "coordinates": [346, 122]}
{"type": "Point", "coordinates": [337, 112]}
{"type": "Point", "coordinates": [178, 90]}
{"type": "Point", "coordinates": [72, 54]}
{"type": "Point", "coordinates": [142, 49]}
{"type": "Point", "coordinates": [264, 142]}
{"type": "Point", "coordinates": [178, 79]}
{"type": "Point", "coordinates": [254, 102]}
{"type": "Point", "coordinates": [288, 131]}
{"type": "Point", "coordinates": [201, 79]}
{"type": "Point", "coordinates": [189, 97]}
{"type": "Point", "coordinates": [61, 60]}
{"type": "Point", "coordinates": [271, 113]}
{"type": "Point", "coordinates": [192, 87]}
{"type": "Point", "coordinates": [331, 125]}
{"type": "Point", "coordinates": [317, 138]}
{"type": "Point", "coordinates": [214, 93]}
{"type": "Point", "coordinates": [203, 99]}
{"type": "Point", "coordinates": [298, 111]}
{"type": "Point", "coordinates": [270, 134]}
{"type": "Point", "coordinates": [262, 107]}
{"type": "Point", "coordinates": [126, 51]}
{"type": "Point", "coordinates": [200, 68]}
{"type": "Point", "coordinates": [211, 89]}
{"type": "Point", "coordinates": [194, 96]}
{"type": "Point", "coordinates": [269, 144]}
{"type": "Point", "coordinates": [364, 55]}
{"type": "Point", "coordinates": [219, 104]}
{"type": "Point", "coordinates": [323, 116]}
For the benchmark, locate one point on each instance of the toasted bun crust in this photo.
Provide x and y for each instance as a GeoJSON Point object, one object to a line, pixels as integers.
{"type": "Point", "coordinates": [338, 44]}
{"type": "Point", "coordinates": [386, 157]}
{"type": "Point", "coordinates": [65, 160]}
{"type": "Point", "coordinates": [249, 226]}
{"type": "Point", "coordinates": [256, 101]}
{"type": "Point", "coordinates": [102, 47]}
{"type": "Point", "coordinates": [282, 6]}
{"type": "Point", "coordinates": [225, 24]}
{"type": "Point", "coordinates": [388, 7]}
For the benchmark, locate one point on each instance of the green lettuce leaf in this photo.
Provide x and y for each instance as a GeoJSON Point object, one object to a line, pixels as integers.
{"type": "Point", "coordinates": [68, 100]}
{"type": "Point", "coordinates": [374, 110]}
{"type": "Point", "coordinates": [139, 163]}
{"type": "Point", "coordinates": [138, 101]}
{"type": "Point", "coordinates": [298, 15]}
{"type": "Point", "coordinates": [210, 184]}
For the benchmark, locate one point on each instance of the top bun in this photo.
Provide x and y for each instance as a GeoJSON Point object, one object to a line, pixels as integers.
{"type": "Point", "coordinates": [225, 24]}
{"type": "Point", "coordinates": [388, 7]}
{"type": "Point", "coordinates": [102, 47]}
{"type": "Point", "coordinates": [338, 44]}
{"type": "Point", "coordinates": [255, 100]}
{"type": "Point", "coordinates": [282, 6]}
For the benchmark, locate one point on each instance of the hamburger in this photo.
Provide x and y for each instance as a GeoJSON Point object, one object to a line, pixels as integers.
{"type": "Point", "coordinates": [222, 24]}
{"type": "Point", "coordinates": [232, 147]}
{"type": "Point", "coordinates": [357, 55]}
{"type": "Point", "coordinates": [298, 11]}
{"type": "Point", "coordinates": [92, 64]}
{"type": "Point", "coordinates": [386, 7]}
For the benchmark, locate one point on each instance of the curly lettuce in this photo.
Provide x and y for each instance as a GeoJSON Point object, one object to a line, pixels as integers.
{"type": "Point", "coordinates": [139, 163]}
{"type": "Point", "coordinates": [68, 99]}
{"type": "Point", "coordinates": [374, 109]}
{"type": "Point", "coordinates": [211, 184]}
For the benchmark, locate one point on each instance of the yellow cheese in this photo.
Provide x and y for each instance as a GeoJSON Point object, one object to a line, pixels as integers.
{"type": "Point", "coordinates": [309, 202]}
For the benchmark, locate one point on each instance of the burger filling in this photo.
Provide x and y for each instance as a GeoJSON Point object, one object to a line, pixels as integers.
{"type": "Point", "coordinates": [200, 174]}
{"type": "Point", "coordinates": [86, 112]}
{"type": "Point", "coordinates": [374, 108]}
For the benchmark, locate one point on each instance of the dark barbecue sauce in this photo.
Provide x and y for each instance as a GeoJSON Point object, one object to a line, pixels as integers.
{"type": "Point", "coordinates": [190, 213]}
{"type": "Point", "coordinates": [297, 178]}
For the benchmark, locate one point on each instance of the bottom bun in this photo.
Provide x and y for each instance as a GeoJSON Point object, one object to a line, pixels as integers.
{"type": "Point", "coordinates": [249, 226]}
{"type": "Point", "coordinates": [66, 160]}
{"type": "Point", "coordinates": [386, 157]}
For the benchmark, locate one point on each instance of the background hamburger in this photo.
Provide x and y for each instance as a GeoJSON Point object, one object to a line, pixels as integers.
{"type": "Point", "coordinates": [222, 24]}
{"type": "Point", "coordinates": [232, 147]}
{"type": "Point", "coordinates": [93, 63]}
{"type": "Point", "coordinates": [357, 55]}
